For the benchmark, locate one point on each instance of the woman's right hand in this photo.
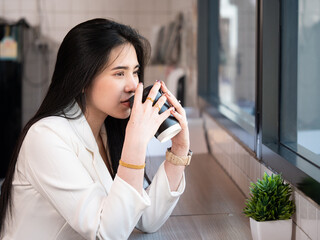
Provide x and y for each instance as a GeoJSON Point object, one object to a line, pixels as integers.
{"type": "Point", "coordinates": [143, 124]}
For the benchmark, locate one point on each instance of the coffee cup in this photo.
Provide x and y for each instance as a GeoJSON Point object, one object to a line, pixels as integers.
{"type": "Point", "coordinates": [170, 127]}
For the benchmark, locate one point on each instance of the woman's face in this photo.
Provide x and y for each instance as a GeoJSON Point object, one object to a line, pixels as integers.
{"type": "Point", "coordinates": [110, 90]}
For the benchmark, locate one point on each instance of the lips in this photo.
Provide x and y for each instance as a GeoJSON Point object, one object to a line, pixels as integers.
{"type": "Point", "coordinates": [126, 102]}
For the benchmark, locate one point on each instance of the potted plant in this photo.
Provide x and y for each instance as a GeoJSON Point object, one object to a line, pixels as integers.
{"type": "Point", "coordinates": [270, 208]}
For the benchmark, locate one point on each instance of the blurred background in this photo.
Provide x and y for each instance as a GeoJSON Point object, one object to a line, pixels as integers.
{"type": "Point", "coordinates": [39, 26]}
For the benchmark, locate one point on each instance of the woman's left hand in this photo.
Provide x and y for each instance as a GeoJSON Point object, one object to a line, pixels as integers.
{"type": "Point", "coordinates": [180, 142]}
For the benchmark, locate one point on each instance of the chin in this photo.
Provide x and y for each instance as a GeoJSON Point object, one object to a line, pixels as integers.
{"type": "Point", "coordinates": [122, 115]}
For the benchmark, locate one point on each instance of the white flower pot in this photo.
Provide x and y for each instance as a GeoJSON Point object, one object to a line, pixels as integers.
{"type": "Point", "coordinates": [271, 230]}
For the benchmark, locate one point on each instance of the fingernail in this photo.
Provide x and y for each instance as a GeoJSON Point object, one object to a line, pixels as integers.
{"type": "Point", "coordinates": [157, 80]}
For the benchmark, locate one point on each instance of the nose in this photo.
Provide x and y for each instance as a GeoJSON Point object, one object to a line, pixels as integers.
{"type": "Point", "coordinates": [131, 83]}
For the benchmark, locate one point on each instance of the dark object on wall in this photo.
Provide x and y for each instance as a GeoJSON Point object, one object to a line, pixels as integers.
{"type": "Point", "coordinates": [10, 94]}
{"type": "Point", "coordinates": [11, 110]}
{"type": "Point", "coordinates": [180, 90]}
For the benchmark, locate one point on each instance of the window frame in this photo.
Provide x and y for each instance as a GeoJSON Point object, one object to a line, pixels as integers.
{"type": "Point", "coordinates": [265, 142]}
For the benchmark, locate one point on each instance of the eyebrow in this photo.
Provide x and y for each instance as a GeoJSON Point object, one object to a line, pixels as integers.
{"type": "Point", "coordinates": [124, 67]}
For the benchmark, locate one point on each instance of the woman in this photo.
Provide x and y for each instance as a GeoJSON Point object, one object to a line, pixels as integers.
{"type": "Point", "coordinates": [65, 180]}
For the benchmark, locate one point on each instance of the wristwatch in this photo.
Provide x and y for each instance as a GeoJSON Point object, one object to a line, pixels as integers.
{"type": "Point", "coordinates": [178, 160]}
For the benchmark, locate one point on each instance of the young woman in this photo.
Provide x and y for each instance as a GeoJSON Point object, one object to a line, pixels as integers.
{"type": "Point", "coordinates": [78, 169]}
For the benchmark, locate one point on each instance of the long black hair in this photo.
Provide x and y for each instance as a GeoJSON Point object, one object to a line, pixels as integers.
{"type": "Point", "coordinates": [83, 54]}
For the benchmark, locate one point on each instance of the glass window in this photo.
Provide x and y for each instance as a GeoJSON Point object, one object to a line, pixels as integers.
{"type": "Point", "coordinates": [300, 109]}
{"type": "Point", "coordinates": [237, 56]}
{"type": "Point", "coordinates": [232, 39]}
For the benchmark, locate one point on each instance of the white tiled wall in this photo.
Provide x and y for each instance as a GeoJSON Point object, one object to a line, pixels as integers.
{"type": "Point", "coordinates": [243, 168]}
{"type": "Point", "coordinates": [56, 17]}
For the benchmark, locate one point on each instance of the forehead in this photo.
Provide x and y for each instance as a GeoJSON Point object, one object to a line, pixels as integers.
{"type": "Point", "coordinates": [123, 55]}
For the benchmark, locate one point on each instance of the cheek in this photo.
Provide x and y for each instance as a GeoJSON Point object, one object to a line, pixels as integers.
{"type": "Point", "coordinates": [105, 93]}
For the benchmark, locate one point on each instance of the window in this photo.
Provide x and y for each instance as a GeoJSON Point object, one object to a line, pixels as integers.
{"type": "Point", "coordinates": [300, 76]}
{"type": "Point", "coordinates": [259, 68]}
{"type": "Point", "coordinates": [226, 63]}
{"type": "Point", "coordinates": [236, 78]}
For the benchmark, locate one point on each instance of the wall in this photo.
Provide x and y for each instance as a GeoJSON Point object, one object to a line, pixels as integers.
{"type": "Point", "coordinates": [59, 16]}
{"type": "Point", "coordinates": [56, 18]}
{"type": "Point", "coordinates": [243, 168]}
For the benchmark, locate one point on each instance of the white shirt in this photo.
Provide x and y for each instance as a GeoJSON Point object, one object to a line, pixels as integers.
{"type": "Point", "coordinates": [63, 190]}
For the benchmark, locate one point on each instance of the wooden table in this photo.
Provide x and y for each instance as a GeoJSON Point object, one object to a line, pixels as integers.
{"type": "Point", "coordinates": [210, 208]}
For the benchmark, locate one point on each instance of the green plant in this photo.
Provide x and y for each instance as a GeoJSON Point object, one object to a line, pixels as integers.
{"type": "Point", "coordinates": [269, 199]}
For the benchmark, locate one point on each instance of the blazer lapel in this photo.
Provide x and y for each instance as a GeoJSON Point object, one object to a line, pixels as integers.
{"type": "Point", "coordinates": [84, 132]}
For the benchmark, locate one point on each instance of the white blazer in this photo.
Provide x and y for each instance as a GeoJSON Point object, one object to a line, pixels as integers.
{"type": "Point", "coordinates": [63, 190]}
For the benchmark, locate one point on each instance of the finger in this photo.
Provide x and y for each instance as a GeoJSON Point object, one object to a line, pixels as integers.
{"type": "Point", "coordinates": [163, 116]}
{"type": "Point", "coordinates": [154, 91]}
{"type": "Point", "coordinates": [160, 103]}
{"type": "Point", "coordinates": [181, 119]}
{"type": "Point", "coordinates": [172, 99]}
{"type": "Point", "coordinates": [164, 88]}
{"type": "Point", "coordinates": [138, 94]}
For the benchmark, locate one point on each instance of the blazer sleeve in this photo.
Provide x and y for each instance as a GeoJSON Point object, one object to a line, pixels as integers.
{"type": "Point", "coordinates": [53, 168]}
{"type": "Point", "coordinates": [163, 201]}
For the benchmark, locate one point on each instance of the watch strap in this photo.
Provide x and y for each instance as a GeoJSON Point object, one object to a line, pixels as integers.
{"type": "Point", "coordinates": [178, 160]}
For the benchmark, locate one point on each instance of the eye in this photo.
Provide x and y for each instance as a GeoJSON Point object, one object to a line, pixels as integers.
{"type": "Point", "coordinates": [136, 72]}
{"type": "Point", "coordinates": [119, 74]}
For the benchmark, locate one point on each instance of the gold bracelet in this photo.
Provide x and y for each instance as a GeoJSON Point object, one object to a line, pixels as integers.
{"type": "Point", "coordinates": [132, 166]}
